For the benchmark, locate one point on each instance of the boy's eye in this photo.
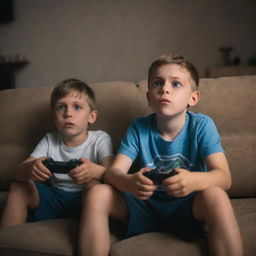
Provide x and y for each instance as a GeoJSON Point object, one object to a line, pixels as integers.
{"type": "Point", "coordinates": [60, 107]}
{"type": "Point", "coordinates": [157, 83]}
{"type": "Point", "coordinates": [77, 107]}
{"type": "Point", "coordinates": [176, 84]}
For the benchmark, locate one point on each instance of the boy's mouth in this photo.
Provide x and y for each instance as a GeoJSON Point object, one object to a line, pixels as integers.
{"type": "Point", "coordinates": [165, 101]}
{"type": "Point", "coordinates": [68, 124]}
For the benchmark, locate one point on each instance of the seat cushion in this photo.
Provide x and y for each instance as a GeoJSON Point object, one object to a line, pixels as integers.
{"type": "Point", "coordinates": [50, 237]}
{"type": "Point", "coordinates": [158, 244]}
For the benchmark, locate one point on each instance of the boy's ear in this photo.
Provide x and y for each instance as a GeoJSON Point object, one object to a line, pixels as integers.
{"type": "Point", "coordinates": [194, 98]}
{"type": "Point", "coordinates": [93, 116]}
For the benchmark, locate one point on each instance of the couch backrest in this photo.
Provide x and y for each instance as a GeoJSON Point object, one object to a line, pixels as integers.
{"type": "Point", "coordinates": [25, 118]}
{"type": "Point", "coordinates": [229, 101]}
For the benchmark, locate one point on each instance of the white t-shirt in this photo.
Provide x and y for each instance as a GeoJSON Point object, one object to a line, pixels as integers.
{"type": "Point", "coordinates": [95, 148]}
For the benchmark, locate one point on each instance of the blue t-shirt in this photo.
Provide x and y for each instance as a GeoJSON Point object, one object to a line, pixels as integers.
{"type": "Point", "coordinates": [197, 139]}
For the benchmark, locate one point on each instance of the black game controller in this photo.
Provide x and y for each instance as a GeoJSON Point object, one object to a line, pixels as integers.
{"type": "Point", "coordinates": [157, 175]}
{"type": "Point", "coordinates": [59, 166]}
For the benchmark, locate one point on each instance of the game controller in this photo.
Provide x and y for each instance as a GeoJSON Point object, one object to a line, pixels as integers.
{"type": "Point", "coordinates": [157, 175]}
{"type": "Point", "coordinates": [59, 166]}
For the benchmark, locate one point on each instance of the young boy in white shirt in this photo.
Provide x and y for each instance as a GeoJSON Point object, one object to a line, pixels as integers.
{"type": "Point", "coordinates": [37, 193]}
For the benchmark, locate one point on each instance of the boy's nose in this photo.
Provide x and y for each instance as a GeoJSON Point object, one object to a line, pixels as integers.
{"type": "Point", "coordinates": [165, 89]}
{"type": "Point", "coordinates": [67, 113]}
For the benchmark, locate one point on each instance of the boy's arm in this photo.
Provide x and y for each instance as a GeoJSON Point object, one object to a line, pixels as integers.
{"type": "Point", "coordinates": [98, 170]}
{"type": "Point", "coordinates": [186, 182]}
{"type": "Point", "coordinates": [32, 168]}
{"type": "Point", "coordinates": [137, 184]}
{"type": "Point", "coordinates": [218, 172]}
{"type": "Point", "coordinates": [116, 175]}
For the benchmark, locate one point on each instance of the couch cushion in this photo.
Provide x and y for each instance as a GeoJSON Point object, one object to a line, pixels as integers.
{"type": "Point", "coordinates": [245, 211]}
{"type": "Point", "coordinates": [11, 156]}
{"type": "Point", "coordinates": [240, 151]}
{"type": "Point", "coordinates": [25, 119]}
{"type": "Point", "coordinates": [26, 115]}
{"type": "Point", "coordinates": [53, 237]}
{"type": "Point", "coordinates": [119, 104]}
{"type": "Point", "coordinates": [231, 102]}
{"type": "Point", "coordinates": [158, 244]}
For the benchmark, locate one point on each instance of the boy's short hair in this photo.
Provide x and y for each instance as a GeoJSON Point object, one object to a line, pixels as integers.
{"type": "Point", "coordinates": [178, 60]}
{"type": "Point", "coordinates": [68, 85]}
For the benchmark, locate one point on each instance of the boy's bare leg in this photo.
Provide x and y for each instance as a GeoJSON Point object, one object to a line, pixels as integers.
{"type": "Point", "coordinates": [214, 208]}
{"type": "Point", "coordinates": [100, 202]}
{"type": "Point", "coordinates": [21, 196]}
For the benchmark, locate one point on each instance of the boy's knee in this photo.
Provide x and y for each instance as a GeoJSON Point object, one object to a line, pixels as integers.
{"type": "Point", "coordinates": [23, 192]}
{"type": "Point", "coordinates": [211, 200]}
{"type": "Point", "coordinates": [213, 195]}
{"type": "Point", "coordinates": [17, 189]}
{"type": "Point", "coordinates": [99, 193]}
{"type": "Point", "coordinates": [105, 200]}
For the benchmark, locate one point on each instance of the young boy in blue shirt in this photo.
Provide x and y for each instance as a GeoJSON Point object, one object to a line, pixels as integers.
{"type": "Point", "coordinates": [30, 198]}
{"type": "Point", "coordinates": [171, 136]}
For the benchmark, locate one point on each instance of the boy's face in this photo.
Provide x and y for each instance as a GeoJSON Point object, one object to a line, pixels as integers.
{"type": "Point", "coordinates": [170, 91]}
{"type": "Point", "coordinates": [72, 115]}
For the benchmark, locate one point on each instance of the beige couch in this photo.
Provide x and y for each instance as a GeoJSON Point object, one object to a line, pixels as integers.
{"type": "Point", "coordinates": [25, 118]}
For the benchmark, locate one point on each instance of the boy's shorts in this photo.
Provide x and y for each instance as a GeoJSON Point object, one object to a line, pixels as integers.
{"type": "Point", "coordinates": [173, 216]}
{"type": "Point", "coordinates": [55, 203]}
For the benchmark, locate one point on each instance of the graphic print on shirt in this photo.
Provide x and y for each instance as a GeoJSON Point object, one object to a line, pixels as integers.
{"type": "Point", "coordinates": [166, 163]}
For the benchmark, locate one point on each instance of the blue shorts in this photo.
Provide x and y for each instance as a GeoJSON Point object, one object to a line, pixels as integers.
{"type": "Point", "coordinates": [157, 215]}
{"type": "Point", "coordinates": [55, 203]}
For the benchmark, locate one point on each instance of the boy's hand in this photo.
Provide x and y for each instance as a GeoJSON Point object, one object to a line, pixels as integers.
{"type": "Point", "coordinates": [140, 186]}
{"type": "Point", "coordinates": [181, 184]}
{"type": "Point", "coordinates": [38, 171]}
{"type": "Point", "coordinates": [82, 173]}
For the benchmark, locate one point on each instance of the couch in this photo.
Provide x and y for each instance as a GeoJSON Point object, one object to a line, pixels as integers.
{"type": "Point", "coordinates": [25, 118]}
